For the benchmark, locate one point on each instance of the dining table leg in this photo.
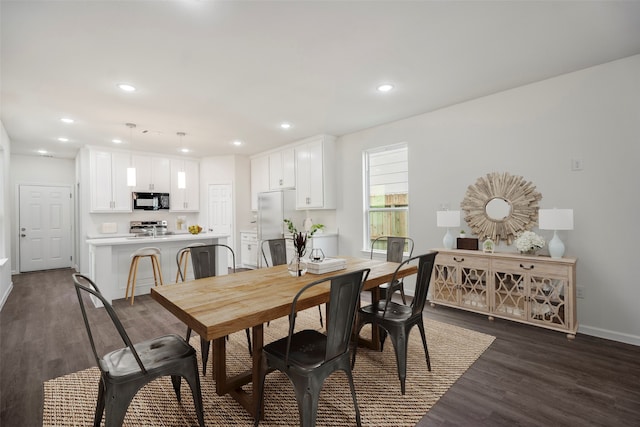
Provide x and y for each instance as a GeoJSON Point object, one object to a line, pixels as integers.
{"type": "Point", "coordinates": [233, 385]}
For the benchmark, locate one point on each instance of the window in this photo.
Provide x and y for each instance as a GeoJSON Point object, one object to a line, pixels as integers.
{"type": "Point", "coordinates": [386, 194]}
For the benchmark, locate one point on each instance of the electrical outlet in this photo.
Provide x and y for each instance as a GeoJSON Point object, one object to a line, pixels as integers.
{"type": "Point", "coordinates": [576, 164]}
{"type": "Point", "coordinates": [580, 292]}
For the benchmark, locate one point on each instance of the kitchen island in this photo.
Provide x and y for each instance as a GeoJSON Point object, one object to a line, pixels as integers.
{"type": "Point", "coordinates": [110, 259]}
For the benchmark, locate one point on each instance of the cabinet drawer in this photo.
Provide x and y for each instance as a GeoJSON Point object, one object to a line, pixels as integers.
{"type": "Point", "coordinates": [249, 237]}
{"type": "Point", "coordinates": [532, 267]}
{"type": "Point", "coordinates": [463, 260]}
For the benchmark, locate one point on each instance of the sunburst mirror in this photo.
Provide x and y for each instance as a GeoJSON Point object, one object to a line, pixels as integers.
{"type": "Point", "coordinates": [499, 206]}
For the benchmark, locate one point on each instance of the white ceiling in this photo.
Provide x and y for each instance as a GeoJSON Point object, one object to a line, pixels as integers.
{"type": "Point", "coordinates": [226, 70]}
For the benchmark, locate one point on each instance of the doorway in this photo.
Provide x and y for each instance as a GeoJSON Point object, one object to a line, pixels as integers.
{"type": "Point", "coordinates": [221, 212]}
{"type": "Point", "coordinates": [44, 227]}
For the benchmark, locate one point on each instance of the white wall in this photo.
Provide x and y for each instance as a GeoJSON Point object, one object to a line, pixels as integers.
{"type": "Point", "coordinates": [533, 131]}
{"type": "Point", "coordinates": [35, 170]}
{"type": "Point", "coordinates": [5, 216]}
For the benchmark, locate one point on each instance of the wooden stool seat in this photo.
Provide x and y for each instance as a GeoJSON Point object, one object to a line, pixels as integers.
{"type": "Point", "coordinates": [182, 259]}
{"type": "Point", "coordinates": [154, 255]}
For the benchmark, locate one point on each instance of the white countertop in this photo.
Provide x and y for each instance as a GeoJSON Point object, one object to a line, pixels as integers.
{"type": "Point", "coordinates": [116, 241]}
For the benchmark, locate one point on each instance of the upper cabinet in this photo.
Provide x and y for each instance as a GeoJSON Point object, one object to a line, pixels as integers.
{"type": "Point", "coordinates": [282, 170]}
{"type": "Point", "coordinates": [185, 199]}
{"type": "Point", "coordinates": [315, 177]}
{"type": "Point", "coordinates": [259, 178]}
{"type": "Point", "coordinates": [108, 181]}
{"type": "Point", "coordinates": [152, 174]}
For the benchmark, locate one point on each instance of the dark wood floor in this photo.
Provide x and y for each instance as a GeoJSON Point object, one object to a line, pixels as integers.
{"type": "Point", "coordinates": [528, 377]}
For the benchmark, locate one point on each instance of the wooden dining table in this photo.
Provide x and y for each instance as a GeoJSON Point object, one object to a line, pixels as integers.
{"type": "Point", "coordinates": [217, 306]}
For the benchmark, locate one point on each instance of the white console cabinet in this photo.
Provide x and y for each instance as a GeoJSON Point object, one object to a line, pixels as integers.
{"type": "Point", "coordinates": [536, 290]}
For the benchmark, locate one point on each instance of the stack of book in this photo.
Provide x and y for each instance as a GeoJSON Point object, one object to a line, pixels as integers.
{"type": "Point", "coordinates": [327, 265]}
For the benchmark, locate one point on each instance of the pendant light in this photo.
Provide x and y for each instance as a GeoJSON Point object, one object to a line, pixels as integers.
{"type": "Point", "coordinates": [182, 178]}
{"type": "Point", "coordinates": [131, 170]}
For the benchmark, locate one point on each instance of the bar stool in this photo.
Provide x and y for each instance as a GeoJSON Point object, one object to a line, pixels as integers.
{"type": "Point", "coordinates": [182, 259]}
{"type": "Point", "coordinates": [154, 255]}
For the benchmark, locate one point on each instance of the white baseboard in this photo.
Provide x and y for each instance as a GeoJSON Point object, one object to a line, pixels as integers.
{"type": "Point", "coordinates": [609, 335]}
{"type": "Point", "coordinates": [6, 295]}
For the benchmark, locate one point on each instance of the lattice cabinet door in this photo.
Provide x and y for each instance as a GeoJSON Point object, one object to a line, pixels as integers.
{"type": "Point", "coordinates": [509, 293]}
{"type": "Point", "coordinates": [444, 282]}
{"type": "Point", "coordinates": [461, 281]}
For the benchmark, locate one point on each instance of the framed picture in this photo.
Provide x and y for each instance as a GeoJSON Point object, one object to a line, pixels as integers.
{"type": "Point", "coordinates": [487, 246]}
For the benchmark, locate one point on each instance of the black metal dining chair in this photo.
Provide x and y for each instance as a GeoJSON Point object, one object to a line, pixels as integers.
{"type": "Point", "coordinates": [278, 256]}
{"type": "Point", "coordinates": [398, 319]}
{"type": "Point", "coordinates": [308, 357]}
{"type": "Point", "coordinates": [395, 249]}
{"type": "Point", "coordinates": [126, 370]}
{"type": "Point", "coordinates": [203, 261]}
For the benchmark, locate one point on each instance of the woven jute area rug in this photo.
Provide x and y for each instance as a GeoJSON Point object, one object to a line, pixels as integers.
{"type": "Point", "coordinates": [70, 400]}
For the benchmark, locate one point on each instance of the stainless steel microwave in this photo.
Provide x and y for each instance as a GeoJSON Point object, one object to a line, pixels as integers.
{"type": "Point", "coordinates": [150, 201]}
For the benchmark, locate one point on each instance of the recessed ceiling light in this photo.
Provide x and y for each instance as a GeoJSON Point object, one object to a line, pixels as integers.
{"type": "Point", "coordinates": [61, 139]}
{"type": "Point", "coordinates": [385, 87]}
{"type": "Point", "coordinates": [126, 87]}
{"type": "Point", "coordinates": [285, 125]}
{"type": "Point", "coordinates": [184, 150]}
{"type": "Point", "coordinates": [42, 151]}
{"type": "Point", "coordinates": [237, 143]}
{"type": "Point", "coordinates": [66, 120]}
{"type": "Point", "coordinates": [116, 141]}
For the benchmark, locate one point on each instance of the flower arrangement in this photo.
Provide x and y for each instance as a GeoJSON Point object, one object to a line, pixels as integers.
{"type": "Point", "coordinates": [300, 237]}
{"type": "Point", "coordinates": [529, 242]}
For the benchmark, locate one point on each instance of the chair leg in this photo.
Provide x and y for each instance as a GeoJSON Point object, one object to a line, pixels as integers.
{"type": "Point", "coordinates": [97, 419]}
{"type": "Point", "coordinates": [404, 299]}
{"type": "Point", "coordinates": [117, 400]}
{"type": "Point", "coordinates": [320, 311]}
{"type": "Point", "coordinates": [131, 268]}
{"type": "Point", "coordinates": [249, 341]}
{"type": "Point", "coordinates": [176, 381]}
{"type": "Point", "coordinates": [135, 277]}
{"type": "Point", "coordinates": [399, 339]}
{"type": "Point", "coordinates": [307, 394]}
{"type": "Point", "coordinates": [193, 379]}
{"type": "Point", "coordinates": [260, 390]}
{"type": "Point", "coordinates": [353, 395]}
{"type": "Point", "coordinates": [424, 344]}
{"type": "Point", "coordinates": [157, 272]}
{"type": "Point", "coordinates": [204, 347]}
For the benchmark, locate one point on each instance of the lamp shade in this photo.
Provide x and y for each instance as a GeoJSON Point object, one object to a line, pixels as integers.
{"type": "Point", "coordinates": [555, 219]}
{"type": "Point", "coordinates": [448, 218]}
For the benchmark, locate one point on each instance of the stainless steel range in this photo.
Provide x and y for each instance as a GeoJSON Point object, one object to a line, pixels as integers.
{"type": "Point", "coordinates": [148, 228]}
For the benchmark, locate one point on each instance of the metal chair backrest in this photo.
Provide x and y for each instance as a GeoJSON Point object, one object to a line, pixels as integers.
{"type": "Point", "coordinates": [91, 288]}
{"type": "Point", "coordinates": [277, 251]}
{"type": "Point", "coordinates": [203, 259]}
{"type": "Point", "coordinates": [180, 256]}
{"type": "Point", "coordinates": [344, 296]}
{"type": "Point", "coordinates": [395, 247]}
{"type": "Point", "coordinates": [423, 278]}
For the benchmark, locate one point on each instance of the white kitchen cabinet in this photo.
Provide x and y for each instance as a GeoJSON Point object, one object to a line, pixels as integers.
{"type": "Point", "coordinates": [259, 178]}
{"type": "Point", "coordinates": [282, 170]}
{"type": "Point", "coordinates": [249, 249]}
{"type": "Point", "coordinates": [108, 181]}
{"type": "Point", "coordinates": [185, 199]}
{"type": "Point", "coordinates": [315, 177]}
{"type": "Point", "coordinates": [152, 174]}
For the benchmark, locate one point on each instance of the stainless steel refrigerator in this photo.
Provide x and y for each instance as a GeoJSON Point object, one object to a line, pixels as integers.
{"type": "Point", "coordinates": [273, 208]}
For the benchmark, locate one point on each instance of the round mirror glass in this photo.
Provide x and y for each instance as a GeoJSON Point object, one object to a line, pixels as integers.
{"type": "Point", "coordinates": [498, 209]}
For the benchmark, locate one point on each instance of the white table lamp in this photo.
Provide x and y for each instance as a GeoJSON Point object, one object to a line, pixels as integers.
{"type": "Point", "coordinates": [555, 219]}
{"type": "Point", "coordinates": [448, 219]}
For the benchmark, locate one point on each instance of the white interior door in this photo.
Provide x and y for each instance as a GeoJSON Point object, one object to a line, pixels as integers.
{"type": "Point", "coordinates": [45, 227]}
{"type": "Point", "coordinates": [221, 212]}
